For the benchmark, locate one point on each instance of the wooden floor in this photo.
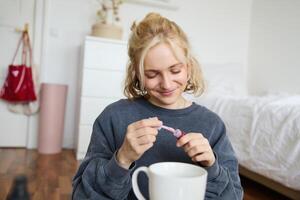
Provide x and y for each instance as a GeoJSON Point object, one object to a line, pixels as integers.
{"type": "Point", "coordinates": [49, 176]}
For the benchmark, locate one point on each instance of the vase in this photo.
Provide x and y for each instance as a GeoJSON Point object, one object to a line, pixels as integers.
{"type": "Point", "coordinates": [107, 31]}
{"type": "Point", "coordinates": [51, 118]}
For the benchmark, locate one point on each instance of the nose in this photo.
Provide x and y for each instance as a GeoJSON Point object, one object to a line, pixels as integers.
{"type": "Point", "coordinates": [166, 82]}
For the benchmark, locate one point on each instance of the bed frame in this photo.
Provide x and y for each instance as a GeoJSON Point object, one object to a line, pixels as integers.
{"type": "Point", "coordinates": [291, 193]}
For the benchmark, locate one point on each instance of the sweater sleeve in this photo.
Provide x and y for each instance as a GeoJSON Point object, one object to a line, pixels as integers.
{"type": "Point", "coordinates": [223, 181]}
{"type": "Point", "coordinates": [99, 175]}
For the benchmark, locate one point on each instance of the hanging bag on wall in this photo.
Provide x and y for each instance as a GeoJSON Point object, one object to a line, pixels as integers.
{"type": "Point", "coordinates": [18, 86]}
{"type": "Point", "coordinates": [32, 107]}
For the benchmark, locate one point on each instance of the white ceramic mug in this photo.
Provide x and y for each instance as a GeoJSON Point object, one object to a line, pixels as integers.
{"type": "Point", "coordinates": [172, 180]}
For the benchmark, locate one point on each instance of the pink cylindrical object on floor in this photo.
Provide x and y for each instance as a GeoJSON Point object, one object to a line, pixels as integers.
{"type": "Point", "coordinates": [51, 119]}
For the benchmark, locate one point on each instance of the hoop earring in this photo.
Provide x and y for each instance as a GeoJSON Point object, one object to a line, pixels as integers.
{"type": "Point", "coordinates": [189, 85]}
{"type": "Point", "coordinates": [144, 92]}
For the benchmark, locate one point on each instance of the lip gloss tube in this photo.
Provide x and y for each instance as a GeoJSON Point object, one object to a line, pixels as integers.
{"type": "Point", "coordinates": [179, 133]}
{"type": "Point", "coordinates": [176, 132]}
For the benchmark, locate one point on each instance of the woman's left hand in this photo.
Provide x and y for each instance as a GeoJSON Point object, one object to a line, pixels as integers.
{"type": "Point", "coordinates": [198, 148]}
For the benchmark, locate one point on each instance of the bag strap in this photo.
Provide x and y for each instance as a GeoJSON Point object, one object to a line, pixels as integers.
{"type": "Point", "coordinates": [26, 49]}
{"type": "Point", "coordinates": [21, 80]}
{"type": "Point", "coordinates": [27, 45]}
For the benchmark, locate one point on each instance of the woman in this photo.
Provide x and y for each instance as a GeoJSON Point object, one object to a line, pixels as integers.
{"type": "Point", "coordinates": [127, 133]}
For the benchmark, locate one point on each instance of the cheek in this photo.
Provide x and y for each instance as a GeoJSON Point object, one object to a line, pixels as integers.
{"type": "Point", "coordinates": [151, 83]}
{"type": "Point", "coordinates": [182, 78]}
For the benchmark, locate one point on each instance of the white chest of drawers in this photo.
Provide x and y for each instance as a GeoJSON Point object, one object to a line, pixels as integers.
{"type": "Point", "coordinates": [100, 83]}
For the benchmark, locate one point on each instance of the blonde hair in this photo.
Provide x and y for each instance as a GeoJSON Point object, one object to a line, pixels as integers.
{"type": "Point", "coordinates": [151, 31]}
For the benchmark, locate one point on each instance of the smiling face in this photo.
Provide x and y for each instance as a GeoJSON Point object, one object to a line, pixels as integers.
{"type": "Point", "coordinates": [165, 77]}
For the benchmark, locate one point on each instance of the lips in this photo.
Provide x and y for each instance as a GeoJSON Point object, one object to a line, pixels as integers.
{"type": "Point", "coordinates": [167, 92]}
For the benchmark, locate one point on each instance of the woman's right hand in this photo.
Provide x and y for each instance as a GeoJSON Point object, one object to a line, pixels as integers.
{"type": "Point", "coordinates": [140, 137]}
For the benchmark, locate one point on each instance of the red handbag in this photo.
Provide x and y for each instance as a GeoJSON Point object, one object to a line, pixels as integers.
{"type": "Point", "coordinates": [18, 86]}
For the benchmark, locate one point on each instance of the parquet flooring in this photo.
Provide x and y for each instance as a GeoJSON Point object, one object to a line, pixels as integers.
{"type": "Point", "coordinates": [49, 176]}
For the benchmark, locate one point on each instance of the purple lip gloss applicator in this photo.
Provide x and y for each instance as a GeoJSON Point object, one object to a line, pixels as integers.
{"type": "Point", "coordinates": [176, 132]}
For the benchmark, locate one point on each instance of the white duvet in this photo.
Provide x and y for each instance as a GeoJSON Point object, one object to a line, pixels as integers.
{"type": "Point", "coordinates": [265, 133]}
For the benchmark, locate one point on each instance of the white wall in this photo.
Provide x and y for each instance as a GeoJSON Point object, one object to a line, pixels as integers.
{"type": "Point", "coordinates": [274, 54]}
{"type": "Point", "coordinates": [218, 31]}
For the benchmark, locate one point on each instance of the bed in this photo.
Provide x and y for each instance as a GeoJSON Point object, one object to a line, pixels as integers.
{"type": "Point", "coordinates": [264, 132]}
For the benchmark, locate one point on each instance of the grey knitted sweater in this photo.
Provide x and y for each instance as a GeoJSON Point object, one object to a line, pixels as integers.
{"type": "Point", "coordinates": [100, 177]}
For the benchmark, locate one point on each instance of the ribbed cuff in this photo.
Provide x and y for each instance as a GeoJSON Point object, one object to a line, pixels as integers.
{"type": "Point", "coordinates": [115, 172]}
{"type": "Point", "coordinates": [214, 170]}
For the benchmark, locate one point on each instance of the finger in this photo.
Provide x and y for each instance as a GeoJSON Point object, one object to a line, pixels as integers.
{"type": "Point", "coordinates": [188, 137]}
{"type": "Point", "coordinates": [201, 157]}
{"type": "Point", "coordinates": [142, 148]}
{"type": "Point", "coordinates": [136, 139]}
{"type": "Point", "coordinates": [147, 146]}
{"type": "Point", "coordinates": [146, 139]}
{"type": "Point", "coordinates": [204, 158]}
{"type": "Point", "coordinates": [196, 142]}
{"type": "Point", "coordinates": [200, 149]}
{"type": "Point", "coordinates": [192, 143]}
{"type": "Point", "coordinates": [145, 131]}
{"type": "Point", "coordinates": [151, 122]}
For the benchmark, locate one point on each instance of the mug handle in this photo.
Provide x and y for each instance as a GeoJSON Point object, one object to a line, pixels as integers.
{"type": "Point", "coordinates": [135, 186]}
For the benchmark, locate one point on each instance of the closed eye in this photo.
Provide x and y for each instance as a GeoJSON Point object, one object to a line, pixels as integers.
{"type": "Point", "coordinates": [151, 74]}
{"type": "Point", "coordinates": [175, 69]}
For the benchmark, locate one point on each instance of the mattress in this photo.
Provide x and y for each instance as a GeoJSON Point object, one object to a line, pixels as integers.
{"type": "Point", "coordinates": [264, 132]}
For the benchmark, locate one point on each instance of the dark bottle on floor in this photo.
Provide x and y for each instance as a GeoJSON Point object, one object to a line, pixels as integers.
{"type": "Point", "coordinates": [19, 190]}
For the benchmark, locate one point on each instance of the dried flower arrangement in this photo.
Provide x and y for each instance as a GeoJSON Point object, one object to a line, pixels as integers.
{"type": "Point", "coordinates": [106, 7]}
{"type": "Point", "coordinates": [108, 17]}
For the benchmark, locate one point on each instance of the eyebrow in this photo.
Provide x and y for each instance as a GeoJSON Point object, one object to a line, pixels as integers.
{"type": "Point", "coordinates": [154, 70]}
